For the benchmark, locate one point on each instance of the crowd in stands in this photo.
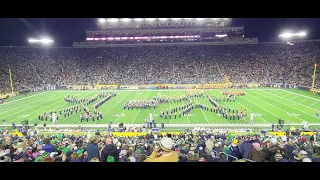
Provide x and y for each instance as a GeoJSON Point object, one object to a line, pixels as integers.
{"type": "Point", "coordinates": [201, 146]}
{"type": "Point", "coordinates": [251, 63]}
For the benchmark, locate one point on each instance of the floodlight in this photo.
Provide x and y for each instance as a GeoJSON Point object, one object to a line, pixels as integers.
{"type": "Point", "coordinates": [176, 19]}
{"type": "Point", "coordinates": [113, 20]}
{"type": "Point", "coordinates": [138, 19]}
{"type": "Point", "coordinates": [187, 18]}
{"type": "Point", "coordinates": [200, 19]}
{"type": "Point", "coordinates": [163, 19]}
{"type": "Point", "coordinates": [125, 19]}
{"type": "Point", "coordinates": [150, 19]}
{"type": "Point", "coordinates": [101, 20]}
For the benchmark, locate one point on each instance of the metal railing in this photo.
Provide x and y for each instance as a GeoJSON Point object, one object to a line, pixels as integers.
{"type": "Point", "coordinates": [216, 154]}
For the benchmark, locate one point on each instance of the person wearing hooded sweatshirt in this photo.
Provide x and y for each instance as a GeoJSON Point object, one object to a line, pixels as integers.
{"type": "Point", "coordinates": [47, 147]}
{"type": "Point", "coordinates": [235, 151]}
{"type": "Point", "coordinates": [245, 148]}
{"type": "Point", "coordinates": [92, 149]}
{"type": "Point", "coordinates": [256, 154]}
{"type": "Point", "coordinates": [109, 150]}
{"type": "Point", "coordinates": [164, 152]}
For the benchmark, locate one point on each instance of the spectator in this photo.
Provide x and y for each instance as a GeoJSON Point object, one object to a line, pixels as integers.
{"type": "Point", "coordinates": [47, 146]}
{"type": "Point", "coordinates": [109, 150]}
{"type": "Point", "coordinates": [245, 148]}
{"type": "Point", "coordinates": [92, 148]}
{"type": "Point", "coordinates": [163, 152]}
{"type": "Point", "coordinates": [235, 152]}
{"type": "Point", "coordinates": [256, 154]}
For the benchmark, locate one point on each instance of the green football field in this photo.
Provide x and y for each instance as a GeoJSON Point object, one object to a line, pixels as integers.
{"type": "Point", "coordinates": [267, 104]}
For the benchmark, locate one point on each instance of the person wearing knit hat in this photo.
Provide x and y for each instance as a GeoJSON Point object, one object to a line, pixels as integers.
{"type": "Point", "coordinates": [163, 152]}
{"type": "Point", "coordinates": [110, 159]}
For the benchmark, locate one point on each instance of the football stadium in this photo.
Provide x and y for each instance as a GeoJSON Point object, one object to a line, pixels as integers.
{"type": "Point", "coordinates": [194, 89]}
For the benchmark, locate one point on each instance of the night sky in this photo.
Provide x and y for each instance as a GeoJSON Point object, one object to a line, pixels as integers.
{"type": "Point", "coordinates": [64, 31]}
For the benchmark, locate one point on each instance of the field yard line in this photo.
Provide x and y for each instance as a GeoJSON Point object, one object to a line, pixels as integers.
{"type": "Point", "coordinates": [114, 106]}
{"type": "Point", "coordinates": [302, 101]}
{"type": "Point", "coordinates": [288, 106]}
{"type": "Point", "coordinates": [202, 112]}
{"type": "Point", "coordinates": [26, 109]}
{"type": "Point", "coordinates": [37, 110]}
{"type": "Point", "coordinates": [284, 95]}
{"type": "Point", "coordinates": [228, 106]}
{"type": "Point", "coordinates": [314, 104]}
{"type": "Point", "coordinates": [279, 92]}
{"type": "Point", "coordinates": [22, 98]}
{"type": "Point", "coordinates": [59, 107]}
{"type": "Point", "coordinates": [125, 110]}
{"type": "Point", "coordinates": [297, 102]}
{"type": "Point", "coordinates": [275, 107]}
{"type": "Point", "coordinates": [294, 98]}
{"type": "Point", "coordinates": [260, 107]}
{"type": "Point", "coordinates": [140, 108]}
{"type": "Point", "coordinates": [300, 95]}
{"type": "Point", "coordinates": [23, 104]}
{"type": "Point", "coordinates": [243, 106]}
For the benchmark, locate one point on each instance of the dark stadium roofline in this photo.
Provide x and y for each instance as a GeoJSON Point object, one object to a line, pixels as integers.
{"type": "Point", "coordinates": [312, 40]}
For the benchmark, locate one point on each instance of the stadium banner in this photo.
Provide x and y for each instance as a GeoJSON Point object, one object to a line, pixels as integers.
{"type": "Point", "coordinates": [307, 133]}
{"type": "Point", "coordinates": [106, 86]}
{"type": "Point", "coordinates": [61, 87]}
{"type": "Point", "coordinates": [80, 87]}
{"type": "Point", "coordinates": [305, 88]}
{"type": "Point", "coordinates": [277, 133]}
{"type": "Point", "coordinates": [47, 88]}
{"type": "Point", "coordinates": [25, 91]}
{"type": "Point", "coordinates": [38, 89]}
{"type": "Point", "coordinates": [133, 134]}
{"type": "Point", "coordinates": [128, 87]}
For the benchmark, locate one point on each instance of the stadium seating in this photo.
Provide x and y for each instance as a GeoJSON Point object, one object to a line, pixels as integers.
{"type": "Point", "coordinates": [254, 63]}
{"type": "Point", "coordinates": [189, 146]}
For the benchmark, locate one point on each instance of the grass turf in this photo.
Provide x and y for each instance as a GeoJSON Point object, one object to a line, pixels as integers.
{"type": "Point", "coordinates": [267, 104]}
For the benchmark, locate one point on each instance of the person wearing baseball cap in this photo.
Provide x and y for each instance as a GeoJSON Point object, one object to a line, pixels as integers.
{"type": "Point", "coordinates": [163, 152]}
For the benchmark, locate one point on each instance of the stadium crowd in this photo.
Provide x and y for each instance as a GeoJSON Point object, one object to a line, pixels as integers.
{"type": "Point", "coordinates": [200, 146]}
{"type": "Point", "coordinates": [255, 63]}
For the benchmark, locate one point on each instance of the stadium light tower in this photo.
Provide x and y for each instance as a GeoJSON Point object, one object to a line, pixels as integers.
{"type": "Point", "coordinates": [291, 35]}
{"type": "Point", "coordinates": [44, 41]}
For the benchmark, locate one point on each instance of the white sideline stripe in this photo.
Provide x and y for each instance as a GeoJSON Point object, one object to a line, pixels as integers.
{"type": "Point", "coordinates": [23, 98]}
{"type": "Point", "coordinates": [300, 101]}
{"type": "Point", "coordinates": [314, 104]}
{"type": "Point", "coordinates": [10, 109]}
{"type": "Point", "coordinates": [163, 90]}
{"type": "Point", "coordinates": [33, 108]}
{"type": "Point", "coordinates": [274, 106]}
{"type": "Point", "coordinates": [289, 106]}
{"type": "Point", "coordinates": [58, 107]}
{"type": "Point", "coordinates": [300, 95]}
